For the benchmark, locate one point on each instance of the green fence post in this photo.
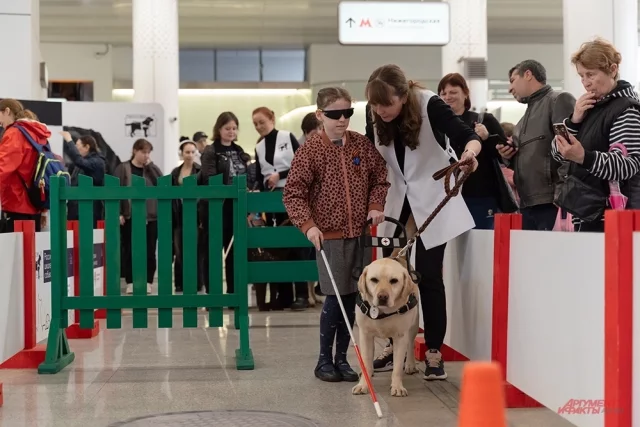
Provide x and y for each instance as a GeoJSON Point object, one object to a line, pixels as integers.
{"type": "Point", "coordinates": [215, 260]}
{"type": "Point", "coordinates": [139, 251]}
{"type": "Point", "coordinates": [190, 253]}
{"type": "Point", "coordinates": [85, 250]}
{"type": "Point", "coordinates": [244, 355]}
{"type": "Point", "coordinates": [112, 251]}
{"type": "Point", "coordinates": [165, 253]}
{"type": "Point", "coordinates": [58, 353]}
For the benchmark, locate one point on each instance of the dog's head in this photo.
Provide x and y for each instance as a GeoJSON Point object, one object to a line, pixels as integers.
{"type": "Point", "coordinates": [148, 120]}
{"type": "Point", "coordinates": [386, 283]}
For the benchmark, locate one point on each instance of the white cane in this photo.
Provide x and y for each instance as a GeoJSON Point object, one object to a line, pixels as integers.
{"type": "Point", "coordinates": [374, 398]}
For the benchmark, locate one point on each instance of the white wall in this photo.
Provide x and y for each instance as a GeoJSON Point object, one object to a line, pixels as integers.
{"type": "Point", "coordinates": [327, 63]}
{"type": "Point", "coordinates": [11, 295]}
{"type": "Point", "coordinates": [81, 62]}
{"type": "Point", "coordinates": [330, 64]}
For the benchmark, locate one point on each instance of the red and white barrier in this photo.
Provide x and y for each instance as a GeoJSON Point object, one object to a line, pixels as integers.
{"type": "Point", "coordinates": [24, 321]}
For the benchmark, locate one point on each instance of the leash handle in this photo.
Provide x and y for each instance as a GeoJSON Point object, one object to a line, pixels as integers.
{"type": "Point", "coordinates": [460, 176]}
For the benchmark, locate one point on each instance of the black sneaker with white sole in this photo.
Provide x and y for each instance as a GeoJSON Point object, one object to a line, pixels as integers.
{"type": "Point", "coordinates": [384, 362]}
{"type": "Point", "coordinates": [434, 369]}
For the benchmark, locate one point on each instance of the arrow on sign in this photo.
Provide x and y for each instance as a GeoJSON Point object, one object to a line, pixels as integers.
{"type": "Point", "coordinates": [350, 21]}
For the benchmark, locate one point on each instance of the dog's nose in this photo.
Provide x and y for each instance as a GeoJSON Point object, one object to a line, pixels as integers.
{"type": "Point", "coordinates": [383, 298]}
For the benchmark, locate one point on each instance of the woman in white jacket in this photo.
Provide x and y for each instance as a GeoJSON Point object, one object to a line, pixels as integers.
{"type": "Point", "coordinates": [409, 128]}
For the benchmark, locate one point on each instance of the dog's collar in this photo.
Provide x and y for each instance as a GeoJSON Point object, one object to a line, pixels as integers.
{"type": "Point", "coordinates": [365, 307]}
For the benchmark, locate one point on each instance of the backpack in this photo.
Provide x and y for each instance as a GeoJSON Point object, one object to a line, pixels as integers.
{"type": "Point", "coordinates": [47, 165]}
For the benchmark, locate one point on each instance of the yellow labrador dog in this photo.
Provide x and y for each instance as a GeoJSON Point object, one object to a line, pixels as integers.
{"type": "Point", "coordinates": [388, 308]}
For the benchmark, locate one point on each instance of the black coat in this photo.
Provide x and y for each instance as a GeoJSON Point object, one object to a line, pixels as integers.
{"type": "Point", "coordinates": [176, 205]}
{"type": "Point", "coordinates": [92, 165]}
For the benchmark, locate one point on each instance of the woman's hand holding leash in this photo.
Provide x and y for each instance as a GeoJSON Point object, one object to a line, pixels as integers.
{"type": "Point", "coordinates": [470, 157]}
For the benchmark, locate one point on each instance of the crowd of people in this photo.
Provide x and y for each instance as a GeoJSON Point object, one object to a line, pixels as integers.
{"type": "Point", "coordinates": [560, 159]}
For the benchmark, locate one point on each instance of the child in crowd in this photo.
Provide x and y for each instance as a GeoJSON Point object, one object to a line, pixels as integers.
{"type": "Point", "coordinates": [337, 182]}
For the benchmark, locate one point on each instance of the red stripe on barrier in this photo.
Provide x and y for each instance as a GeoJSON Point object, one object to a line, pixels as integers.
{"type": "Point", "coordinates": [618, 317]}
{"type": "Point", "coordinates": [503, 225]}
{"type": "Point", "coordinates": [28, 230]}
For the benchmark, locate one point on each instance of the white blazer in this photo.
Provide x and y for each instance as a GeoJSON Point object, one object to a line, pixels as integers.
{"type": "Point", "coordinates": [282, 157]}
{"type": "Point", "coordinates": [424, 193]}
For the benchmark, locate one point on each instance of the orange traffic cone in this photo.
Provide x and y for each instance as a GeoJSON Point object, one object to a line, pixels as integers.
{"type": "Point", "coordinates": [482, 398]}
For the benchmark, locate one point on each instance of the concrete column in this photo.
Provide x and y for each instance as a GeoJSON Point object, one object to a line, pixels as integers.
{"type": "Point", "coordinates": [468, 40]}
{"type": "Point", "coordinates": [613, 20]}
{"type": "Point", "coordinates": [156, 69]}
{"type": "Point", "coordinates": [20, 23]}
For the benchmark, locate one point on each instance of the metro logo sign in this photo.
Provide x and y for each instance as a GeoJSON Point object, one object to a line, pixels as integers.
{"type": "Point", "coordinates": [393, 23]}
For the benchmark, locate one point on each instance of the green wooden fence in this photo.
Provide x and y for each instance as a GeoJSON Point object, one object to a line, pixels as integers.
{"type": "Point", "coordinates": [59, 354]}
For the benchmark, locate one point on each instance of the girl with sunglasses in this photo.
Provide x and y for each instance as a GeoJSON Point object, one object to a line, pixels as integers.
{"type": "Point", "coordinates": [337, 182]}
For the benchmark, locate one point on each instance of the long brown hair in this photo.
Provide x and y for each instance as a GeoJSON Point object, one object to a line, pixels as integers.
{"type": "Point", "coordinates": [384, 83]}
{"type": "Point", "coordinates": [222, 120]}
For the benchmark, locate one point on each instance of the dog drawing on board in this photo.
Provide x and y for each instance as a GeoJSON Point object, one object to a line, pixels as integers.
{"type": "Point", "coordinates": [388, 306]}
{"type": "Point", "coordinates": [143, 126]}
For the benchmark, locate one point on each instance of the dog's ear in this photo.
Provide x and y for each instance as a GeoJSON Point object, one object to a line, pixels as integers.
{"type": "Point", "coordinates": [362, 282]}
{"type": "Point", "coordinates": [407, 286]}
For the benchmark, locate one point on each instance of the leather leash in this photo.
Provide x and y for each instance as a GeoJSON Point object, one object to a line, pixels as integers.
{"type": "Point", "coordinates": [446, 173]}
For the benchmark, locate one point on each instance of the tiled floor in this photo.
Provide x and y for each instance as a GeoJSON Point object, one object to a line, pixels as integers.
{"type": "Point", "coordinates": [129, 373]}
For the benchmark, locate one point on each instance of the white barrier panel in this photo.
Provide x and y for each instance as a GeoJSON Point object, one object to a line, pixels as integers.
{"type": "Point", "coordinates": [43, 282]}
{"type": "Point", "coordinates": [468, 280]}
{"type": "Point", "coordinates": [636, 331]}
{"type": "Point", "coordinates": [98, 262]}
{"type": "Point", "coordinates": [11, 295]}
{"type": "Point", "coordinates": [556, 319]}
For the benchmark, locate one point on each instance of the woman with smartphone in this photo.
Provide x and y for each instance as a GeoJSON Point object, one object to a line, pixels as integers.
{"type": "Point", "coordinates": [482, 190]}
{"type": "Point", "coordinates": [602, 142]}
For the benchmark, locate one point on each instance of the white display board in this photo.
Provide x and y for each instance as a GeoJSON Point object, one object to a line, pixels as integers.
{"type": "Point", "coordinates": [98, 262]}
{"type": "Point", "coordinates": [393, 23]}
{"type": "Point", "coordinates": [120, 124]}
{"type": "Point", "coordinates": [43, 281]}
{"type": "Point", "coordinates": [11, 295]}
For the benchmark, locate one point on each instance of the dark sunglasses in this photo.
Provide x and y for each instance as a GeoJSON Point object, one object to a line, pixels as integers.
{"type": "Point", "coordinates": [336, 114]}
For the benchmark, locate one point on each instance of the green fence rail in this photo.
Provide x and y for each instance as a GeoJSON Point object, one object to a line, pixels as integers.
{"type": "Point", "coordinates": [59, 354]}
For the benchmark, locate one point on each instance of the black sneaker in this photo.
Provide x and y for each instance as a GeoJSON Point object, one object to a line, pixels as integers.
{"type": "Point", "coordinates": [326, 371]}
{"type": "Point", "coordinates": [348, 374]}
{"type": "Point", "coordinates": [384, 362]}
{"type": "Point", "coordinates": [434, 369]}
{"type": "Point", "coordinates": [317, 291]}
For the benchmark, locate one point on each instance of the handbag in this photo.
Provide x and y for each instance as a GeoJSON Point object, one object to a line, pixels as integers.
{"type": "Point", "coordinates": [617, 200]}
{"type": "Point", "coordinates": [581, 199]}
{"type": "Point", "coordinates": [507, 202]}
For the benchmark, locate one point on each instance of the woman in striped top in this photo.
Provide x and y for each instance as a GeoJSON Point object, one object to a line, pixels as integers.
{"type": "Point", "coordinates": [605, 119]}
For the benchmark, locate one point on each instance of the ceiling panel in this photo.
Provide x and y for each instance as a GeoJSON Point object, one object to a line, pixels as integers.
{"type": "Point", "coordinates": [243, 23]}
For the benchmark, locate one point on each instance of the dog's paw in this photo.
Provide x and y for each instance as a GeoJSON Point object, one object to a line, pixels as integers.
{"type": "Point", "coordinates": [360, 389]}
{"type": "Point", "coordinates": [410, 368]}
{"type": "Point", "coordinates": [399, 391]}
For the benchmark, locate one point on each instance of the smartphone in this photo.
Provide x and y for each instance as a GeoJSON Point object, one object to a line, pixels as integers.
{"type": "Point", "coordinates": [500, 140]}
{"type": "Point", "coordinates": [561, 129]}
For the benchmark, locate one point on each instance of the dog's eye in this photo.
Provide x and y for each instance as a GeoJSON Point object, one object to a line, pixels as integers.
{"type": "Point", "coordinates": [393, 281]}
{"type": "Point", "coordinates": [374, 280]}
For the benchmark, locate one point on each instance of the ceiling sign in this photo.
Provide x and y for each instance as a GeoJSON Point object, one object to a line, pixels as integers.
{"type": "Point", "coordinates": [393, 23]}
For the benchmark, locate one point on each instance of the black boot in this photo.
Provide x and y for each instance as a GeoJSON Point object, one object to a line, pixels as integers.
{"type": "Point", "coordinates": [345, 371]}
{"type": "Point", "coordinates": [300, 304]}
{"type": "Point", "coordinates": [326, 371]}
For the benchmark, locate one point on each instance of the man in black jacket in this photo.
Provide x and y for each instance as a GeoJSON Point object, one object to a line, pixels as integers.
{"type": "Point", "coordinates": [536, 173]}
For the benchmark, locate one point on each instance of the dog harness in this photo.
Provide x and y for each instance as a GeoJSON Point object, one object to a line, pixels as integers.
{"type": "Point", "coordinates": [373, 313]}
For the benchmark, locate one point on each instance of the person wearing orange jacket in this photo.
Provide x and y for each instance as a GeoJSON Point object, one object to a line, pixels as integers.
{"type": "Point", "coordinates": [17, 162]}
